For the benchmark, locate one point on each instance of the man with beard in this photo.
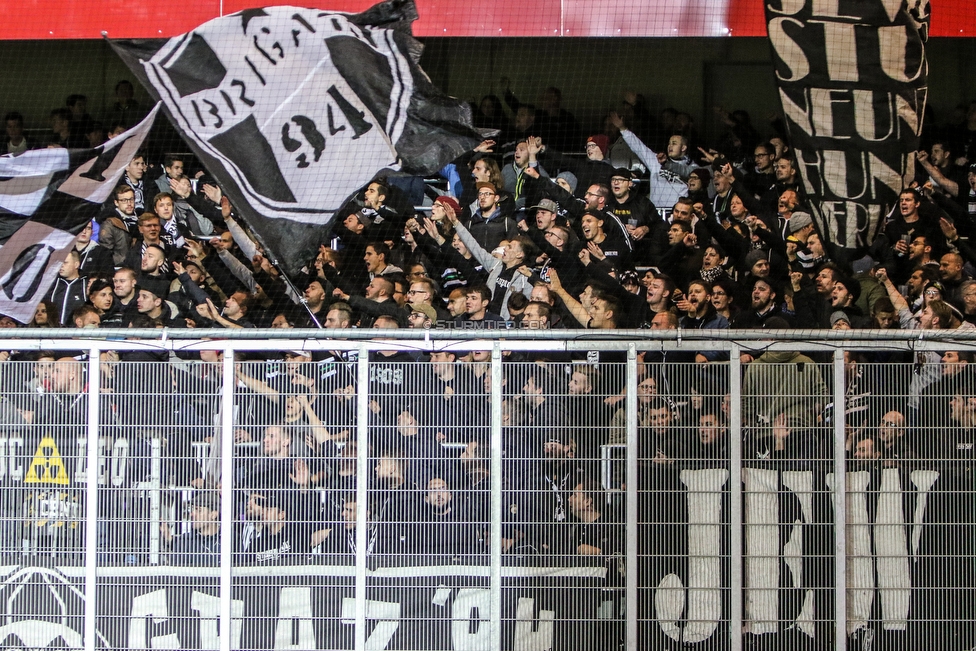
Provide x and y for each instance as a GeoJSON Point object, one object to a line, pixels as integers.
{"type": "Point", "coordinates": [764, 305]}
{"type": "Point", "coordinates": [700, 314]}
{"type": "Point", "coordinates": [811, 301]}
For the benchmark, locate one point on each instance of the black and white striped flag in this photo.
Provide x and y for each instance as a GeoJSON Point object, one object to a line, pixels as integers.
{"type": "Point", "coordinates": [46, 198]}
{"type": "Point", "coordinates": [293, 110]}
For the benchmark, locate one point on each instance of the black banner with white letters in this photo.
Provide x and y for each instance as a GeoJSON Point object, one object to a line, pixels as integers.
{"type": "Point", "coordinates": [852, 78]}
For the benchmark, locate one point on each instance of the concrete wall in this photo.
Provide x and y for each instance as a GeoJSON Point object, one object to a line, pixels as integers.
{"type": "Point", "coordinates": [690, 74]}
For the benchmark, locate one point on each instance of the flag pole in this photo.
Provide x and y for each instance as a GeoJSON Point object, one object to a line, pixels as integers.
{"type": "Point", "coordinates": [273, 259]}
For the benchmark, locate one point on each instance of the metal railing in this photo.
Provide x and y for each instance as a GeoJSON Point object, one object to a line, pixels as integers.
{"type": "Point", "coordinates": [551, 491]}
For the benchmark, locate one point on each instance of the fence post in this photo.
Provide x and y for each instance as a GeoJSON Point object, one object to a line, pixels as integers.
{"type": "Point", "coordinates": [91, 497]}
{"type": "Point", "coordinates": [630, 588]}
{"type": "Point", "coordinates": [735, 500]}
{"type": "Point", "coordinates": [227, 384]}
{"type": "Point", "coordinates": [362, 486]}
{"type": "Point", "coordinates": [840, 504]}
{"type": "Point", "coordinates": [495, 584]}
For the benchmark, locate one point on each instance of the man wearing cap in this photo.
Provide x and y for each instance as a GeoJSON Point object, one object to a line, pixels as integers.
{"type": "Point", "coordinates": [490, 223]}
{"type": "Point", "coordinates": [756, 263]}
{"type": "Point", "coordinates": [421, 316]}
{"type": "Point", "coordinates": [800, 226]}
{"type": "Point", "coordinates": [201, 544]}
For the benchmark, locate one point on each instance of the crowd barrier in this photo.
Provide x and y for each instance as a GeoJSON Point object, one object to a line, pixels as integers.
{"type": "Point", "coordinates": [528, 491]}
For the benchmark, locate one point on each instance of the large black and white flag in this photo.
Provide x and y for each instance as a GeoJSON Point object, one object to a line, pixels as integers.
{"type": "Point", "coordinates": [46, 198]}
{"type": "Point", "coordinates": [853, 81]}
{"type": "Point", "coordinates": [293, 110]}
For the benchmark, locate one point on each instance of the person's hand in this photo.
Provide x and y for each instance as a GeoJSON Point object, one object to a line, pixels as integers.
{"type": "Point", "coordinates": [485, 147]}
{"type": "Point", "coordinates": [241, 436]}
{"type": "Point", "coordinates": [214, 312]}
{"type": "Point", "coordinates": [662, 157]}
{"type": "Point", "coordinates": [531, 171]}
{"type": "Point", "coordinates": [534, 143]}
{"type": "Point", "coordinates": [882, 275]}
{"type": "Point", "coordinates": [225, 208]}
{"type": "Point", "coordinates": [727, 170]}
{"type": "Point", "coordinates": [638, 233]}
{"type": "Point", "coordinates": [261, 262]}
{"type": "Point", "coordinates": [181, 187]}
{"type": "Point", "coordinates": [681, 302]}
{"type": "Point", "coordinates": [178, 268]}
{"type": "Point", "coordinates": [525, 271]}
{"type": "Point", "coordinates": [746, 358]}
{"type": "Point", "coordinates": [948, 229]}
{"type": "Point", "coordinates": [617, 121]}
{"type": "Point", "coordinates": [780, 431]}
{"type": "Point", "coordinates": [796, 277]}
{"type": "Point", "coordinates": [901, 246]}
{"type": "Point", "coordinates": [701, 359]}
{"type": "Point", "coordinates": [595, 251]}
{"type": "Point", "coordinates": [709, 155]}
{"type": "Point", "coordinates": [301, 476]}
{"type": "Point", "coordinates": [922, 156]}
{"type": "Point", "coordinates": [213, 193]}
{"type": "Point", "coordinates": [660, 457]}
{"type": "Point", "coordinates": [522, 225]}
{"type": "Point", "coordinates": [584, 256]}
{"type": "Point", "coordinates": [312, 444]}
{"type": "Point", "coordinates": [554, 281]}
{"type": "Point", "coordinates": [431, 229]}
{"type": "Point", "coordinates": [689, 240]}
{"type": "Point", "coordinates": [203, 310]}
{"type": "Point", "coordinates": [194, 250]}
{"type": "Point", "coordinates": [413, 225]}
{"type": "Point", "coordinates": [449, 216]}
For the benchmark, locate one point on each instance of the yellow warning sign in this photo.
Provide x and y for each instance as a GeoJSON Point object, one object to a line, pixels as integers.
{"type": "Point", "coordinates": [47, 466]}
